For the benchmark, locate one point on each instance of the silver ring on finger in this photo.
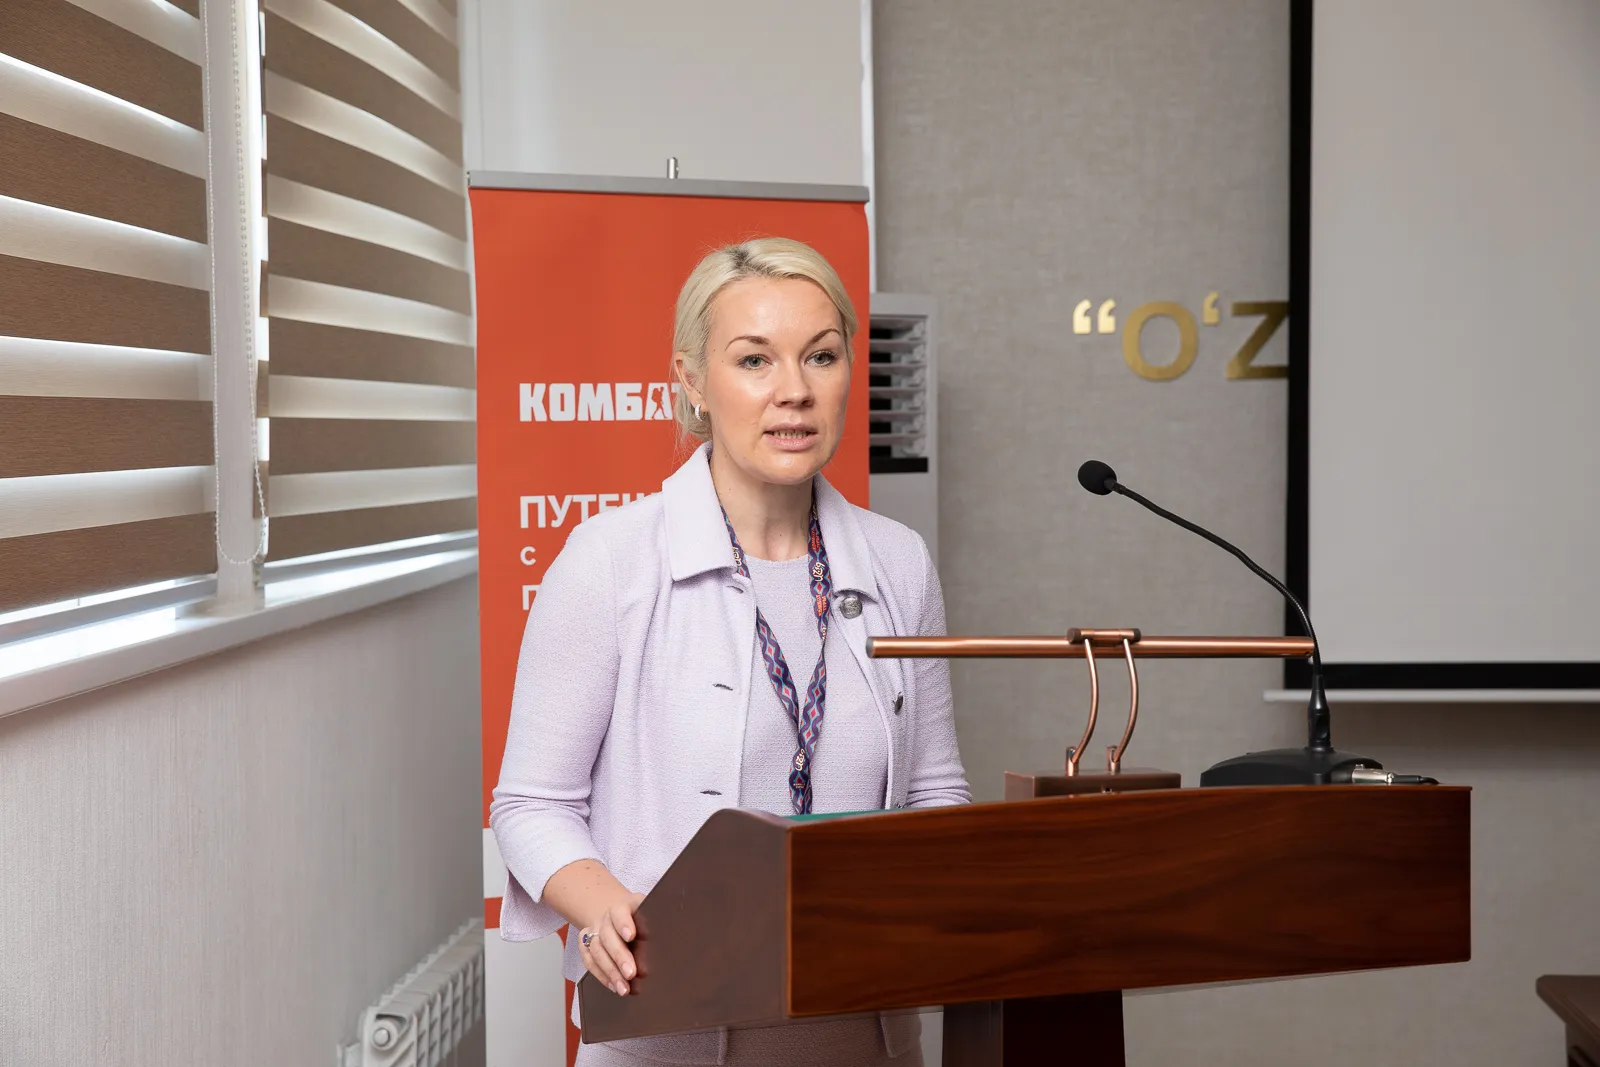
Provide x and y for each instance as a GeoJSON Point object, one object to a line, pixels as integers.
{"type": "Point", "coordinates": [586, 937]}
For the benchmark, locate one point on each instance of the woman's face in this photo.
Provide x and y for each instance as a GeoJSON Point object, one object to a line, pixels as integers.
{"type": "Point", "coordinates": [776, 380]}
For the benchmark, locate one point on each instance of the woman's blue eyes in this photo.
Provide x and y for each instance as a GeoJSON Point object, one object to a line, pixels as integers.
{"type": "Point", "coordinates": [754, 362]}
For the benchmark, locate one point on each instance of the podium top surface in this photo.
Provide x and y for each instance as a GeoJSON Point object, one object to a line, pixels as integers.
{"type": "Point", "coordinates": [764, 919]}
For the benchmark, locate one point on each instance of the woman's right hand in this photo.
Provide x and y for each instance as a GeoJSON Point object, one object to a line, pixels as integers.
{"type": "Point", "coordinates": [604, 944]}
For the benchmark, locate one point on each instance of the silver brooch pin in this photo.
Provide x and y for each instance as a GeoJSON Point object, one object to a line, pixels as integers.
{"type": "Point", "coordinates": [850, 606]}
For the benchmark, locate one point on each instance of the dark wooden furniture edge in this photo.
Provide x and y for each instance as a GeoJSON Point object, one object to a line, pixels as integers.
{"type": "Point", "coordinates": [1575, 998]}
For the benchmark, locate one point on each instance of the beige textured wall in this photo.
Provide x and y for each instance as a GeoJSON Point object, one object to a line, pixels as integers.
{"type": "Point", "coordinates": [1033, 153]}
{"type": "Point", "coordinates": [224, 862]}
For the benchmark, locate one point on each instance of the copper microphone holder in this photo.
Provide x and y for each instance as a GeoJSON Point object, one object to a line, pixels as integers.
{"type": "Point", "coordinates": [1051, 647]}
{"type": "Point", "coordinates": [1086, 644]}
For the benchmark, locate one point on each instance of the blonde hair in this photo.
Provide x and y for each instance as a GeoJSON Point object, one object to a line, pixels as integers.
{"type": "Point", "coordinates": [763, 257]}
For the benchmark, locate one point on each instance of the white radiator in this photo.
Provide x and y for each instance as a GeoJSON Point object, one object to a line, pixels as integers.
{"type": "Point", "coordinates": [428, 1013]}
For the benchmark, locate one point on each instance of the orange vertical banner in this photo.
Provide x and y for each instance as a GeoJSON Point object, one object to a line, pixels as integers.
{"type": "Point", "coordinates": [575, 297]}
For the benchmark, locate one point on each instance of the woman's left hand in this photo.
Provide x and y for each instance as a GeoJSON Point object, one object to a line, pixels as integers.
{"type": "Point", "coordinates": [604, 944]}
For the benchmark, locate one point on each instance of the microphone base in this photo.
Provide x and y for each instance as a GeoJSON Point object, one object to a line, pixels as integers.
{"type": "Point", "coordinates": [1285, 766]}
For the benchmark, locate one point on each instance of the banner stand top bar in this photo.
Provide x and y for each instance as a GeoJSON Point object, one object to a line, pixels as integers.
{"type": "Point", "coordinates": [607, 183]}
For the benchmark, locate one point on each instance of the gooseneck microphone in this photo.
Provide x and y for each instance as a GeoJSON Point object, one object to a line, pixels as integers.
{"type": "Point", "coordinates": [1317, 763]}
{"type": "Point", "coordinates": [1101, 480]}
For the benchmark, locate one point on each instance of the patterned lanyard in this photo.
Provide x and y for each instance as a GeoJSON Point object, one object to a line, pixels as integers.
{"type": "Point", "coordinates": [807, 717]}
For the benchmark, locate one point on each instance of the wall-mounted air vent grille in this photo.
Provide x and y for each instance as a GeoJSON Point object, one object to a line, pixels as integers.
{"type": "Point", "coordinates": [899, 393]}
{"type": "Point", "coordinates": [903, 402]}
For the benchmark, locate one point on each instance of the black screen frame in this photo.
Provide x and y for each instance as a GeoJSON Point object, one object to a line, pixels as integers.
{"type": "Point", "coordinates": [1297, 673]}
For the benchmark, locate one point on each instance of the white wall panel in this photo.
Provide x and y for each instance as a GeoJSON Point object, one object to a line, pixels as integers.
{"type": "Point", "coordinates": [525, 1002]}
{"type": "Point", "coordinates": [224, 862]}
{"type": "Point", "coordinates": [1454, 268]}
{"type": "Point", "coordinates": [764, 90]}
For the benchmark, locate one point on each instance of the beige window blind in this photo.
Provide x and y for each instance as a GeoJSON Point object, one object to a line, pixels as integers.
{"type": "Point", "coordinates": [368, 300]}
{"type": "Point", "coordinates": [105, 414]}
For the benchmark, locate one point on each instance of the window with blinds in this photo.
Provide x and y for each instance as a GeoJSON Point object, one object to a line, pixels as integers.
{"type": "Point", "coordinates": [106, 446]}
{"type": "Point", "coordinates": [370, 400]}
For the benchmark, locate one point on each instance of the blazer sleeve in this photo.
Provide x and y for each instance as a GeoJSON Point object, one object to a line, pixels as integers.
{"type": "Point", "coordinates": [560, 711]}
{"type": "Point", "coordinates": [937, 777]}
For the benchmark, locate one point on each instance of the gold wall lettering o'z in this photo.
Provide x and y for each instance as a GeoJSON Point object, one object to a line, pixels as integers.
{"type": "Point", "coordinates": [1188, 341]}
{"type": "Point", "coordinates": [1241, 365]}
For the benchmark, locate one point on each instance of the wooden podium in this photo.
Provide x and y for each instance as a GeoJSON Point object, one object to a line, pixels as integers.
{"type": "Point", "coordinates": [1027, 919]}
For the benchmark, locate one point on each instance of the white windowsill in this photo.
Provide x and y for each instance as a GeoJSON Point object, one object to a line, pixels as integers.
{"type": "Point", "coordinates": [95, 657]}
{"type": "Point", "coordinates": [1439, 696]}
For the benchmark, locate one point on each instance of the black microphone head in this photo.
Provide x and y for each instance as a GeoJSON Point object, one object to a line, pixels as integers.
{"type": "Point", "coordinates": [1097, 477]}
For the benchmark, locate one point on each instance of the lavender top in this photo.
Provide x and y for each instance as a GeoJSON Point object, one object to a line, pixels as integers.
{"type": "Point", "coordinates": [850, 772]}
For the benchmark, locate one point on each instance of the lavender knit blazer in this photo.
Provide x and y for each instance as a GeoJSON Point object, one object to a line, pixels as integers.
{"type": "Point", "coordinates": [627, 721]}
